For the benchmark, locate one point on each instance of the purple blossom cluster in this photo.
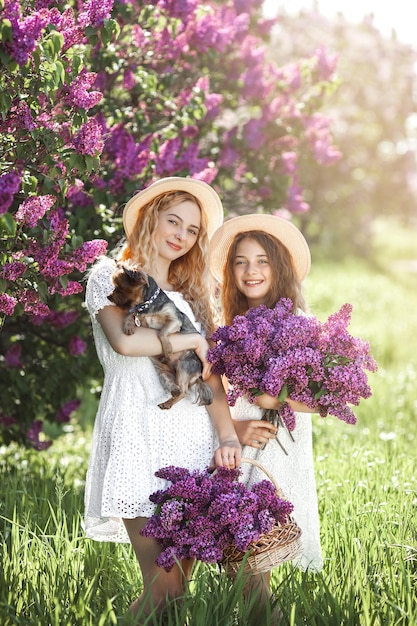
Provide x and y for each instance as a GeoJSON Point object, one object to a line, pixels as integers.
{"type": "Point", "coordinates": [137, 98]}
{"type": "Point", "coordinates": [201, 514]}
{"type": "Point", "coordinates": [89, 138]}
{"type": "Point", "coordinates": [64, 412]}
{"type": "Point", "coordinates": [25, 30]}
{"type": "Point", "coordinates": [293, 356]}
{"type": "Point", "coordinates": [76, 346]}
{"type": "Point", "coordinates": [9, 185]}
{"type": "Point", "coordinates": [33, 209]}
{"type": "Point", "coordinates": [79, 94]}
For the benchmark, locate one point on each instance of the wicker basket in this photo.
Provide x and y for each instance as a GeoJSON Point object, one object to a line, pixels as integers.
{"type": "Point", "coordinates": [281, 544]}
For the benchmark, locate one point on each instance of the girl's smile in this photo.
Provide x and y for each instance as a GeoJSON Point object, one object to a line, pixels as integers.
{"type": "Point", "coordinates": [177, 230]}
{"type": "Point", "coordinates": [252, 271]}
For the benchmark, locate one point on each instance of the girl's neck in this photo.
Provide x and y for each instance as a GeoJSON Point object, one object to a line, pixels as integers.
{"type": "Point", "coordinates": [160, 274]}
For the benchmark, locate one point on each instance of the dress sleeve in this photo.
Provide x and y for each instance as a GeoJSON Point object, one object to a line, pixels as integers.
{"type": "Point", "coordinates": [99, 286]}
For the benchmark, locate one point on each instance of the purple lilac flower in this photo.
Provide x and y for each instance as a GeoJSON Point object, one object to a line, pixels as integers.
{"type": "Point", "coordinates": [32, 303]}
{"type": "Point", "coordinates": [57, 319]}
{"type": "Point", "coordinates": [181, 9]}
{"type": "Point", "coordinates": [72, 288]}
{"type": "Point", "coordinates": [78, 92]}
{"type": "Point", "coordinates": [7, 420]}
{"type": "Point", "coordinates": [9, 185]}
{"type": "Point", "coordinates": [76, 346]}
{"type": "Point", "coordinates": [23, 117]}
{"type": "Point", "coordinates": [12, 356]}
{"type": "Point", "coordinates": [13, 271]}
{"type": "Point", "coordinates": [94, 12]}
{"type": "Point", "coordinates": [88, 252]}
{"type": "Point", "coordinates": [26, 31]}
{"type": "Point", "coordinates": [33, 436]}
{"type": "Point", "coordinates": [7, 304]}
{"type": "Point", "coordinates": [66, 24]}
{"type": "Point", "coordinates": [64, 412]}
{"type": "Point", "coordinates": [326, 62]}
{"type": "Point", "coordinates": [287, 355]}
{"type": "Point", "coordinates": [199, 515]}
{"type": "Point", "coordinates": [33, 209]}
{"type": "Point", "coordinates": [89, 139]}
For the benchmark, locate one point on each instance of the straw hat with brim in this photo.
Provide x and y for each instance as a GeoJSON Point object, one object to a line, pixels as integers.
{"type": "Point", "coordinates": [208, 198]}
{"type": "Point", "coordinates": [285, 231]}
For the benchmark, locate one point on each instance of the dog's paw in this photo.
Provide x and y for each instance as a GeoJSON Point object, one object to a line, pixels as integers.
{"type": "Point", "coordinates": [168, 403]}
{"type": "Point", "coordinates": [128, 326]}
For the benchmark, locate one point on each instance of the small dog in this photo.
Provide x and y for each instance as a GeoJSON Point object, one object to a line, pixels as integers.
{"type": "Point", "coordinates": [149, 306]}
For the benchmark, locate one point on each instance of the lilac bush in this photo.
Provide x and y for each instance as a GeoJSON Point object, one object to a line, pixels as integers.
{"type": "Point", "coordinates": [201, 514]}
{"type": "Point", "coordinates": [294, 356]}
{"type": "Point", "coordinates": [99, 98]}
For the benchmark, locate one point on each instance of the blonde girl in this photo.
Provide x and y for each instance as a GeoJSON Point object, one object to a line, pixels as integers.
{"type": "Point", "coordinates": [167, 226]}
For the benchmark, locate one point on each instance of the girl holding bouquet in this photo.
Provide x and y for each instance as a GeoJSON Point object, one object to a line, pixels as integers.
{"type": "Point", "coordinates": [259, 259]}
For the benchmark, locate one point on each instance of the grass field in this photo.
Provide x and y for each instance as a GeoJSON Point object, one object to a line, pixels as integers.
{"type": "Point", "coordinates": [366, 479]}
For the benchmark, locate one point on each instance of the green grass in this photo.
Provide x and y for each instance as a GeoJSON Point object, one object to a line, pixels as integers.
{"type": "Point", "coordinates": [366, 479]}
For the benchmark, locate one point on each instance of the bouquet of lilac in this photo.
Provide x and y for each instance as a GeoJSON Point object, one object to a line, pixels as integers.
{"type": "Point", "coordinates": [202, 514]}
{"type": "Point", "coordinates": [294, 356]}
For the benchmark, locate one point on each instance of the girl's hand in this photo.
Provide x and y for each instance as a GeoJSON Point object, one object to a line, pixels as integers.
{"type": "Point", "coordinates": [265, 401]}
{"type": "Point", "coordinates": [201, 350]}
{"type": "Point", "coordinates": [228, 454]}
{"type": "Point", "coordinates": [254, 433]}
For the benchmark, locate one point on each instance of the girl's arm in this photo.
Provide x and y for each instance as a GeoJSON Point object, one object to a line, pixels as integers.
{"type": "Point", "coordinates": [144, 341]}
{"type": "Point", "coordinates": [229, 451]}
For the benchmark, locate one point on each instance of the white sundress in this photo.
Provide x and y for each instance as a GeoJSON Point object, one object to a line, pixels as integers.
{"type": "Point", "coordinates": [293, 473]}
{"type": "Point", "coordinates": [132, 436]}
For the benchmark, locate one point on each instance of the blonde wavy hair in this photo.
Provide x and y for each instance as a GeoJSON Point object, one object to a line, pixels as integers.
{"type": "Point", "coordinates": [188, 274]}
{"type": "Point", "coordinates": [285, 283]}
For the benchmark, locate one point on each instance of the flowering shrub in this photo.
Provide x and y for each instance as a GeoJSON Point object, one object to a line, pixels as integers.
{"type": "Point", "coordinates": [97, 99]}
{"type": "Point", "coordinates": [199, 515]}
{"type": "Point", "coordinates": [293, 356]}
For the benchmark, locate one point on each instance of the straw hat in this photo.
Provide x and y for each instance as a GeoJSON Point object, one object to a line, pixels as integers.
{"type": "Point", "coordinates": [208, 198]}
{"type": "Point", "coordinates": [285, 231]}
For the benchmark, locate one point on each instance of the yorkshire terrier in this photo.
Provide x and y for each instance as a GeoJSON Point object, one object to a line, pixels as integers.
{"type": "Point", "coordinates": [147, 305]}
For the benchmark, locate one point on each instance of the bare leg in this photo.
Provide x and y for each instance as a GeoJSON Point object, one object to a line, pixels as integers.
{"type": "Point", "coordinates": [158, 585]}
{"type": "Point", "coordinates": [258, 589]}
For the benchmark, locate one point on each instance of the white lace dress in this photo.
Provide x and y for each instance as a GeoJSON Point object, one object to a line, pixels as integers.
{"type": "Point", "coordinates": [132, 436]}
{"type": "Point", "coordinates": [294, 474]}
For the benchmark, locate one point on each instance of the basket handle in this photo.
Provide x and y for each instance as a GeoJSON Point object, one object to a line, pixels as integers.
{"type": "Point", "coordinates": [272, 478]}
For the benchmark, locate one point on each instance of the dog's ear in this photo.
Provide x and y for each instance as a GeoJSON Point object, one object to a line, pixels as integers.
{"type": "Point", "coordinates": [136, 274]}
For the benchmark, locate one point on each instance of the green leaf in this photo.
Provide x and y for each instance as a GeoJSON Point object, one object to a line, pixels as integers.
{"type": "Point", "coordinates": [320, 393]}
{"type": "Point", "coordinates": [6, 32]}
{"type": "Point", "coordinates": [76, 241]}
{"type": "Point", "coordinates": [59, 73]}
{"type": "Point", "coordinates": [63, 281]}
{"type": "Point", "coordinates": [8, 224]}
{"type": "Point", "coordinates": [283, 394]}
{"type": "Point", "coordinates": [43, 290]}
{"type": "Point", "coordinates": [30, 184]}
{"type": "Point", "coordinates": [255, 391]}
{"type": "Point", "coordinates": [57, 40]}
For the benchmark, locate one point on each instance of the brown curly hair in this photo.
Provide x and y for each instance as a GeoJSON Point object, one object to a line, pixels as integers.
{"type": "Point", "coordinates": [188, 274]}
{"type": "Point", "coordinates": [285, 283]}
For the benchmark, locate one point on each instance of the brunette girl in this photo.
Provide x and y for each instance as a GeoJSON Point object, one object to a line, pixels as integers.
{"type": "Point", "coordinates": [259, 259]}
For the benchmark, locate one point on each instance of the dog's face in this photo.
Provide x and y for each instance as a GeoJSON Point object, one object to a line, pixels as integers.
{"type": "Point", "coordinates": [129, 283]}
